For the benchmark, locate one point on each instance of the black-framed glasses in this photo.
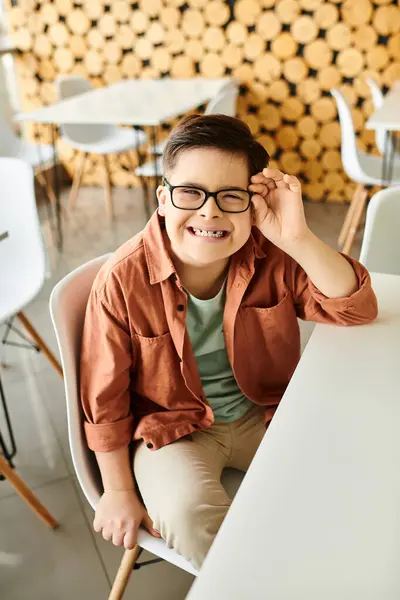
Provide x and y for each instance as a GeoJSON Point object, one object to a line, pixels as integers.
{"type": "Point", "coordinates": [187, 197]}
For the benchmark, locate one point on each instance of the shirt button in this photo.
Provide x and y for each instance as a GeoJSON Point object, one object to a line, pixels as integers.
{"type": "Point", "coordinates": [196, 426]}
{"type": "Point", "coordinates": [149, 445]}
{"type": "Point", "coordinates": [180, 307]}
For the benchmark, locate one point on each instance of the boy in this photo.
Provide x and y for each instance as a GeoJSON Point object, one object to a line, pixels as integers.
{"type": "Point", "coordinates": [191, 333]}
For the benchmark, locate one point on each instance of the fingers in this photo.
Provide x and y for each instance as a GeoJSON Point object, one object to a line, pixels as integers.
{"type": "Point", "coordinates": [107, 534]}
{"type": "Point", "coordinates": [97, 525]}
{"type": "Point", "coordinates": [129, 540]}
{"type": "Point", "coordinates": [273, 178]}
{"type": "Point", "coordinates": [293, 183]}
{"type": "Point", "coordinates": [261, 188]}
{"type": "Point", "coordinates": [118, 538]}
{"type": "Point", "coordinates": [260, 206]}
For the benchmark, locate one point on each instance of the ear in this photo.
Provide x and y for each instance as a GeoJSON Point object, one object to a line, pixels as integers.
{"type": "Point", "coordinates": [162, 195]}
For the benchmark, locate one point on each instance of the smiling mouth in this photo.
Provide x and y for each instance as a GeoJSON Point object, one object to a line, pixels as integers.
{"type": "Point", "coordinates": [210, 233]}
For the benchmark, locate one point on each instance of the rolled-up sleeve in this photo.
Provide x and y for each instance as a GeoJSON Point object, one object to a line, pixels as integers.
{"type": "Point", "coordinates": [105, 367]}
{"type": "Point", "coordinates": [311, 305]}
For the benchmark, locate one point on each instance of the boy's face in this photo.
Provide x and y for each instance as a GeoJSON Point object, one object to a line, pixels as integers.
{"type": "Point", "coordinates": [212, 170]}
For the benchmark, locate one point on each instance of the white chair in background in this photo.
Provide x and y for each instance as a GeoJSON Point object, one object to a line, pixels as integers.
{"type": "Point", "coordinates": [22, 273]}
{"type": "Point", "coordinates": [67, 306]}
{"type": "Point", "coordinates": [39, 156]}
{"type": "Point", "coordinates": [377, 101]}
{"type": "Point", "coordinates": [95, 139]}
{"type": "Point", "coordinates": [223, 103]}
{"type": "Point", "coordinates": [22, 254]}
{"type": "Point", "coordinates": [380, 250]}
{"type": "Point", "coordinates": [361, 167]}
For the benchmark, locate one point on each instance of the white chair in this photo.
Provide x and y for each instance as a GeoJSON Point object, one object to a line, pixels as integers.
{"type": "Point", "coordinates": [377, 101]}
{"type": "Point", "coordinates": [380, 250]}
{"type": "Point", "coordinates": [95, 139]}
{"type": "Point", "coordinates": [22, 272]}
{"type": "Point", "coordinates": [22, 254]}
{"type": "Point", "coordinates": [67, 306]}
{"type": "Point", "coordinates": [39, 156]}
{"type": "Point", "coordinates": [361, 167]}
{"type": "Point", "coordinates": [223, 103]}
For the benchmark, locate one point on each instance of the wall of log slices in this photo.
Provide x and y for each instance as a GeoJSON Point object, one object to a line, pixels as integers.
{"type": "Point", "coordinates": [286, 54]}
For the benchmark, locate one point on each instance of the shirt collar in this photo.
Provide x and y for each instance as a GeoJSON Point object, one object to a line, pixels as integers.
{"type": "Point", "coordinates": [159, 261]}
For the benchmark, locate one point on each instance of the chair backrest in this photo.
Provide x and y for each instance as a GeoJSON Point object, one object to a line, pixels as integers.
{"type": "Point", "coordinates": [380, 251]}
{"type": "Point", "coordinates": [377, 101]}
{"type": "Point", "coordinates": [73, 85]}
{"type": "Point", "coordinates": [9, 141]}
{"type": "Point", "coordinates": [224, 102]}
{"type": "Point", "coordinates": [349, 151]}
{"type": "Point", "coordinates": [67, 307]}
{"type": "Point", "coordinates": [22, 253]}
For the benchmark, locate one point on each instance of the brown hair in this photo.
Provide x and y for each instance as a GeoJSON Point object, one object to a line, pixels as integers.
{"type": "Point", "coordinates": [215, 131]}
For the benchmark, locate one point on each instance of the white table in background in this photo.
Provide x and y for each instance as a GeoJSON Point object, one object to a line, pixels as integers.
{"type": "Point", "coordinates": [141, 102]}
{"type": "Point", "coordinates": [387, 118]}
{"type": "Point", "coordinates": [317, 516]}
{"type": "Point", "coordinates": [136, 102]}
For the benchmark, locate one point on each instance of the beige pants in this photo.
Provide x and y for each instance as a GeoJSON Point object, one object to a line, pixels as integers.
{"type": "Point", "coordinates": [181, 483]}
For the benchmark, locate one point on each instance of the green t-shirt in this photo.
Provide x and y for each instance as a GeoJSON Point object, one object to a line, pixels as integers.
{"type": "Point", "coordinates": [204, 325]}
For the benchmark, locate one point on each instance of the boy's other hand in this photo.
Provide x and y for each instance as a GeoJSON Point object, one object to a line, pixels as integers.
{"type": "Point", "coordinates": [278, 208]}
{"type": "Point", "coordinates": [119, 515]}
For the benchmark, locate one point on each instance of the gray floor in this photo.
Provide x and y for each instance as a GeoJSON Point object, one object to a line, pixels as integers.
{"type": "Point", "coordinates": [73, 562]}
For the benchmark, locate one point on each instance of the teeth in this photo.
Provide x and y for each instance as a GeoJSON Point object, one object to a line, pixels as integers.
{"type": "Point", "coordinates": [203, 233]}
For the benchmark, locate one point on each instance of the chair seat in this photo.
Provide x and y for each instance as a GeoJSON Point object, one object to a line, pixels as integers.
{"type": "Point", "coordinates": [148, 169]}
{"type": "Point", "coordinates": [372, 167]}
{"type": "Point", "coordinates": [119, 140]}
{"type": "Point", "coordinates": [35, 154]}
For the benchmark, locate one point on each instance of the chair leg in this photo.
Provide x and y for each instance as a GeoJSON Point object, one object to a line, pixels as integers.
{"type": "Point", "coordinates": [26, 494]}
{"type": "Point", "coordinates": [40, 342]}
{"type": "Point", "coordinates": [123, 574]}
{"type": "Point", "coordinates": [108, 188]}
{"type": "Point", "coordinates": [143, 185]}
{"type": "Point", "coordinates": [80, 163]}
{"type": "Point", "coordinates": [344, 232]}
{"type": "Point", "coordinates": [49, 192]}
{"type": "Point", "coordinates": [358, 212]}
{"type": "Point", "coordinates": [46, 187]}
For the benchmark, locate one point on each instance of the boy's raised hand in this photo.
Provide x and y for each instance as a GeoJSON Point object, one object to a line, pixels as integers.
{"type": "Point", "coordinates": [278, 208]}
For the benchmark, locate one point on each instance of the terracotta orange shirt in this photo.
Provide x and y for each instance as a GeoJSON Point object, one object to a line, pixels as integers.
{"type": "Point", "coordinates": [139, 378]}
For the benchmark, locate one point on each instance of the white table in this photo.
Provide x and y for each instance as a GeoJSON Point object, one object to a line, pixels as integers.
{"type": "Point", "coordinates": [141, 102]}
{"type": "Point", "coordinates": [318, 514]}
{"type": "Point", "coordinates": [387, 118]}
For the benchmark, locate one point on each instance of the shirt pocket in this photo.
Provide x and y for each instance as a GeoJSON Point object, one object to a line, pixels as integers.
{"type": "Point", "coordinates": [156, 368]}
{"type": "Point", "coordinates": [273, 340]}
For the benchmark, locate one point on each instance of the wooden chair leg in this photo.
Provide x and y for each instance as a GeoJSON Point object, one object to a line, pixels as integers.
{"type": "Point", "coordinates": [26, 494]}
{"type": "Point", "coordinates": [108, 188]}
{"type": "Point", "coordinates": [124, 572]}
{"type": "Point", "coordinates": [40, 342]}
{"type": "Point", "coordinates": [358, 212]}
{"type": "Point", "coordinates": [48, 190]}
{"type": "Point", "coordinates": [80, 163]}
{"type": "Point", "coordinates": [344, 232]}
